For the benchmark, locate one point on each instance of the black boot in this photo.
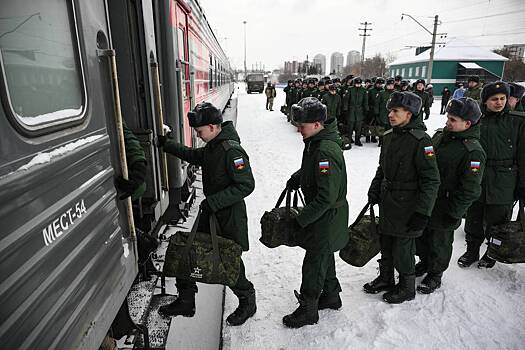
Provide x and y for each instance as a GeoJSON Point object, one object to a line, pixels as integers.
{"type": "Point", "coordinates": [358, 142]}
{"type": "Point", "coordinates": [470, 256]}
{"type": "Point", "coordinates": [245, 310]}
{"type": "Point", "coordinates": [430, 283]}
{"type": "Point", "coordinates": [405, 290]}
{"type": "Point", "coordinates": [486, 262]}
{"type": "Point", "coordinates": [373, 139]}
{"type": "Point", "coordinates": [329, 301]}
{"type": "Point", "coordinates": [380, 143]}
{"type": "Point", "coordinates": [184, 305]}
{"type": "Point", "coordinates": [305, 314]}
{"type": "Point", "coordinates": [383, 282]}
{"type": "Point", "coordinates": [367, 139]}
{"type": "Point", "coordinates": [421, 268]}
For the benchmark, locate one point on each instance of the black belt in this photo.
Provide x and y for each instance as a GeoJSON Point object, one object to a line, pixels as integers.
{"type": "Point", "coordinates": [399, 185]}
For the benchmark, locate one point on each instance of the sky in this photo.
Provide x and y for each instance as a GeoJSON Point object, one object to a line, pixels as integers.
{"type": "Point", "coordinates": [279, 30]}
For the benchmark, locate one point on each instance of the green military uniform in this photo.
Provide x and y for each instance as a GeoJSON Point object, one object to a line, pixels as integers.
{"type": "Point", "coordinates": [134, 155]}
{"type": "Point", "coordinates": [425, 104]}
{"type": "Point", "coordinates": [407, 182]}
{"type": "Point", "coordinates": [474, 93]}
{"type": "Point", "coordinates": [325, 216]}
{"type": "Point", "coordinates": [371, 120]}
{"type": "Point", "coordinates": [381, 111]}
{"type": "Point", "coordinates": [296, 95]}
{"type": "Point", "coordinates": [321, 94]}
{"type": "Point", "coordinates": [333, 105]}
{"type": "Point", "coordinates": [310, 92]}
{"type": "Point", "coordinates": [270, 95]}
{"type": "Point", "coordinates": [461, 162]}
{"type": "Point", "coordinates": [288, 92]}
{"type": "Point", "coordinates": [227, 179]}
{"type": "Point", "coordinates": [502, 138]}
{"type": "Point", "coordinates": [355, 105]}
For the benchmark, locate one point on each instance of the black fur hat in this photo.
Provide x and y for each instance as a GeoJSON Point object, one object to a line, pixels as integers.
{"type": "Point", "coordinates": [358, 80]}
{"type": "Point", "coordinates": [465, 108]}
{"type": "Point", "coordinates": [516, 90]}
{"type": "Point", "coordinates": [381, 81]}
{"type": "Point", "coordinates": [308, 110]}
{"type": "Point", "coordinates": [405, 99]}
{"type": "Point", "coordinates": [203, 114]}
{"type": "Point", "coordinates": [497, 87]}
{"type": "Point", "coordinates": [473, 78]}
{"type": "Point", "coordinates": [390, 81]}
{"type": "Point", "coordinates": [420, 81]}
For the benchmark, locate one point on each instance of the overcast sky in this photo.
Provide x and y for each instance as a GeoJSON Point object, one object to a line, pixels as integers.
{"type": "Point", "coordinates": [279, 30]}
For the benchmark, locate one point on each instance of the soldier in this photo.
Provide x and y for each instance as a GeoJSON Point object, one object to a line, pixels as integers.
{"type": "Point", "coordinates": [135, 185]}
{"type": "Point", "coordinates": [355, 103]}
{"type": "Point", "coordinates": [430, 91]}
{"type": "Point", "coordinates": [270, 95]}
{"type": "Point", "coordinates": [425, 98]}
{"type": "Point", "coordinates": [445, 97]}
{"type": "Point", "coordinates": [227, 179]}
{"type": "Point", "coordinates": [324, 218]}
{"type": "Point", "coordinates": [322, 87]}
{"type": "Point", "coordinates": [461, 161]}
{"type": "Point", "coordinates": [288, 91]}
{"type": "Point", "coordinates": [474, 88]}
{"type": "Point", "coordinates": [371, 121]}
{"type": "Point", "coordinates": [502, 135]}
{"type": "Point", "coordinates": [380, 110]}
{"type": "Point", "coordinates": [311, 91]}
{"type": "Point", "coordinates": [332, 101]}
{"type": "Point", "coordinates": [403, 86]}
{"type": "Point", "coordinates": [368, 84]}
{"type": "Point", "coordinates": [517, 92]}
{"type": "Point", "coordinates": [405, 186]}
{"type": "Point", "coordinates": [397, 82]}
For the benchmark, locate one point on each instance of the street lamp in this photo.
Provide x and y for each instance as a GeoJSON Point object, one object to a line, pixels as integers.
{"type": "Point", "coordinates": [245, 71]}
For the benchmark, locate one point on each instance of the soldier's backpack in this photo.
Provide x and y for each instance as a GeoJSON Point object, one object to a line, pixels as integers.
{"type": "Point", "coordinates": [363, 243]}
{"type": "Point", "coordinates": [278, 226]}
{"type": "Point", "coordinates": [203, 257]}
{"type": "Point", "coordinates": [507, 241]}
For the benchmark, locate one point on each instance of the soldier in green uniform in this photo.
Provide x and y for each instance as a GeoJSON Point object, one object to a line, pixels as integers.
{"type": "Point", "coordinates": [311, 91]}
{"type": "Point", "coordinates": [371, 125]}
{"type": "Point", "coordinates": [517, 92]}
{"type": "Point", "coordinates": [474, 88]}
{"type": "Point", "coordinates": [295, 96]}
{"type": "Point", "coordinates": [270, 95]}
{"type": "Point", "coordinates": [322, 89]}
{"type": "Point", "coordinates": [404, 86]}
{"type": "Point", "coordinates": [461, 161]}
{"type": "Point", "coordinates": [405, 186]}
{"type": "Point", "coordinates": [355, 104]}
{"type": "Point", "coordinates": [503, 139]}
{"type": "Point", "coordinates": [332, 101]}
{"type": "Point", "coordinates": [380, 110]}
{"type": "Point", "coordinates": [324, 218]}
{"type": "Point", "coordinates": [227, 179]}
{"type": "Point", "coordinates": [134, 186]}
{"type": "Point", "coordinates": [425, 98]}
{"type": "Point", "coordinates": [397, 82]}
{"type": "Point", "coordinates": [288, 91]}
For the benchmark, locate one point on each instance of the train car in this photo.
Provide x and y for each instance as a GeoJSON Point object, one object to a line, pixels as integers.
{"type": "Point", "coordinates": [70, 73]}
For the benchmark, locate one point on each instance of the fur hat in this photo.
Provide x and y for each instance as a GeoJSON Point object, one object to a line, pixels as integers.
{"type": "Point", "coordinates": [497, 87]}
{"type": "Point", "coordinates": [473, 78]}
{"type": "Point", "coordinates": [465, 108]}
{"type": "Point", "coordinates": [405, 99]}
{"type": "Point", "coordinates": [308, 110]}
{"type": "Point", "coordinates": [516, 90]}
{"type": "Point", "coordinates": [358, 80]}
{"type": "Point", "coordinates": [381, 81]}
{"type": "Point", "coordinates": [203, 114]}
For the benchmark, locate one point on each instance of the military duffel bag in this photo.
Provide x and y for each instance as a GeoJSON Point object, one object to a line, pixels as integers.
{"type": "Point", "coordinates": [507, 241]}
{"type": "Point", "coordinates": [363, 243]}
{"type": "Point", "coordinates": [203, 257]}
{"type": "Point", "coordinates": [278, 226]}
{"type": "Point", "coordinates": [284, 110]}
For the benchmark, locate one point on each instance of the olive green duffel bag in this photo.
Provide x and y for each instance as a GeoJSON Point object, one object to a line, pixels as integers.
{"type": "Point", "coordinates": [203, 257]}
{"type": "Point", "coordinates": [364, 242]}
{"type": "Point", "coordinates": [278, 226]}
{"type": "Point", "coordinates": [507, 241]}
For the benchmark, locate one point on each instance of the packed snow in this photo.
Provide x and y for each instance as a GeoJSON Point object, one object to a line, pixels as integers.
{"type": "Point", "coordinates": [474, 309]}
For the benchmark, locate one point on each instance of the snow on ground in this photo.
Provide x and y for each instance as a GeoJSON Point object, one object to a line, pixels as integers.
{"type": "Point", "coordinates": [474, 309]}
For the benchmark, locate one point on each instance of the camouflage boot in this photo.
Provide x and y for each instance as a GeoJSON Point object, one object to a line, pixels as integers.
{"type": "Point", "coordinates": [430, 283]}
{"type": "Point", "coordinates": [246, 309]}
{"type": "Point", "coordinates": [329, 301]}
{"type": "Point", "coordinates": [471, 255]}
{"type": "Point", "coordinates": [184, 305]}
{"type": "Point", "coordinates": [405, 290]}
{"type": "Point", "coordinates": [305, 314]}
{"type": "Point", "coordinates": [383, 282]}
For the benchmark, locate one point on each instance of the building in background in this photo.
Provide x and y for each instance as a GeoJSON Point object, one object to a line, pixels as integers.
{"type": "Point", "coordinates": [516, 51]}
{"type": "Point", "coordinates": [352, 57]}
{"type": "Point", "coordinates": [320, 60]}
{"type": "Point", "coordinates": [336, 63]}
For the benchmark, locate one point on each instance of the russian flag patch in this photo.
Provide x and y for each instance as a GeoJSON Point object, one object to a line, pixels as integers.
{"type": "Point", "coordinates": [239, 163]}
{"type": "Point", "coordinates": [429, 151]}
{"type": "Point", "coordinates": [475, 166]}
{"type": "Point", "coordinates": [324, 166]}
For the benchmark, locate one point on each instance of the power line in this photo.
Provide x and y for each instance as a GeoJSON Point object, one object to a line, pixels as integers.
{"type": "Point", "coordinates": [364, 35]}
{"type": "Point", "coordinates": [481, 17]}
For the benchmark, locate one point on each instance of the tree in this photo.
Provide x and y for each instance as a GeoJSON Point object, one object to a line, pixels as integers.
{"type": "Point", "coordinates": [284, 77]}
{"type": "Point", "coordinates": [514, 68]}
{"type": "Point", "coordinates": [371, 67]}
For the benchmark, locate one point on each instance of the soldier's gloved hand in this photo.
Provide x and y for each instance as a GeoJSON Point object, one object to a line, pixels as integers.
{"type": "Point", "coordinates": [417, 222]}
{"type": "Point", "coordinates": [137, 174]}
{"type": "Point", "coordinates": [293, 183]}
{"type": "Point", "coordinates": [373, 198]}
{"type": "Point", "coordinates": [161, 140]}
{"type": "Point", "coordinates": [521, 193]}
{"type": "Point", "coordinates": [205, 206]}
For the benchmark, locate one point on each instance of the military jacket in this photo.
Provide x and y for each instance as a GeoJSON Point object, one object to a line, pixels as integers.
{"type": "Point", "coordinates": [296, 94]}
{"type": "Point", "coordinates": [323, 182]}
{"type": "Point", "coordinates": [355, 103]}
{"type": "Point", "coordinates": [270, 92]}
{"type": "Point", "coordinates": [310, 93]}
{"type": "Point", "coordinates": [406, 180]}
{"type": "Point", "coordinates": [474, 93]}
{"type": "Point", "coordinates": [134, 154]}
{"type": "Point", "coordinates": [333, 105]}
{"type": "Point", "coordinates": [425, 102]}
{"type": "Point", "coordinates": [503, 139]}
{"type": "Point", "coordinates": [380, 109]}
{"type": "Point", "coordinates": [372, 97]}
{"type": "Point", "coordinates": [320, 94]}
{"type": "Point", "coordinates": [227, 179]}
{"type": "Point", "coordinates": [461, 162]}
{"type": "Point", "coordinates": [288, 91]}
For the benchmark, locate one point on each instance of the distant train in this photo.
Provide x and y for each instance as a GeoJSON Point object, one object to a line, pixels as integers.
{"type": "Point", "coordinates": [67, 248]}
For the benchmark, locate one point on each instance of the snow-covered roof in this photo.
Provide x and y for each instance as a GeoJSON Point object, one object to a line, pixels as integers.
{"type": "Point", "coordinates": [454, 50]}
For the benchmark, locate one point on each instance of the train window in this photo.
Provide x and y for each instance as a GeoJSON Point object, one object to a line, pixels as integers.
{"type": "Point", "coordinates": [39, 59]}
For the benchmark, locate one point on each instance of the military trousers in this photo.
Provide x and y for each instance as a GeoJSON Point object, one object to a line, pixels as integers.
{"type": "Point", "coordinates": [399, 252]}
{"type": "Point", "coordinates": [354, 126]}
{"type": "Point", "coordinates": [481, 217]}
{"type": "Point", "coordinates": [434, 248]}
{"type": "Point", "coordinates": [269, 102]}
{"type": "Point", "coordinates": [318, 275]}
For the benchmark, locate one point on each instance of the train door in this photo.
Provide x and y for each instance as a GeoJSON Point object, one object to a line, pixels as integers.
{"type": "Point", "coordinates": [67, 258]}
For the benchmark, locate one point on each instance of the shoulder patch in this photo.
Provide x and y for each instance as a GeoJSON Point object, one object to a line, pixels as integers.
{"type": "Point", "coordinates": [229, 144]}
{"type": "Point", "coordinates": [324, 166]}
{"type": "Point", "coordinates": [418, 133]}
{"type": "Point", "coordinates": [239, 163]}
{"type": "Point", "coordinates": [429, 151]}
{"type": "Point", "coordinates": [475, 166]}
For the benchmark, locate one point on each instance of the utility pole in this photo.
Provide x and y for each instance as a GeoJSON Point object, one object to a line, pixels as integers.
{"type": "Point", "coordinates": [245, 70]}
{"type": "Point", "coordinates": [364, 35]}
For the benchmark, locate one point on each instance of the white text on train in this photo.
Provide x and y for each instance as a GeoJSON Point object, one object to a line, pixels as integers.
{"type": "Point", "coordinates": [62, 223]}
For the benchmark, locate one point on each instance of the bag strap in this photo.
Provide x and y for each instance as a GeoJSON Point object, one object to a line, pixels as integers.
{"type": "Point", "coordinates": [362, 214]}
{"type": "Point", "coordinates": [296, 196]}
{"type": "Point", "coordinates": [191, 237]}
{"type": "Point", "coordinates": [521, 212]}
{"type": "Point", "coordinates": [281, 197]}
{"type": "Point", "coordinates": [214, 228]}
